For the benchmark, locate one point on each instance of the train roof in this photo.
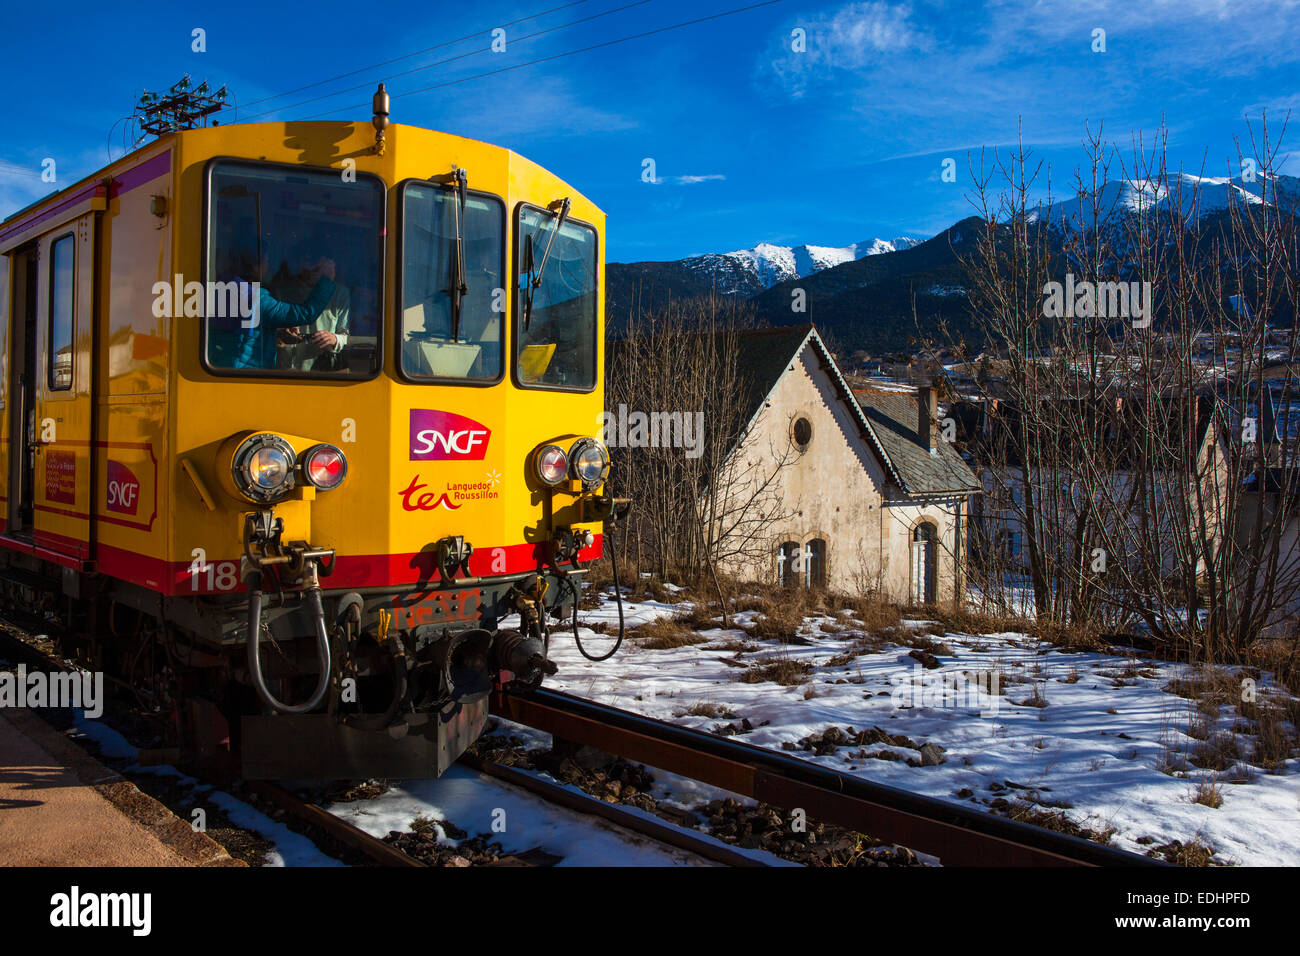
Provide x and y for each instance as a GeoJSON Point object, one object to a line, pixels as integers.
{"type": "Point", "coordinates": [141, 154]}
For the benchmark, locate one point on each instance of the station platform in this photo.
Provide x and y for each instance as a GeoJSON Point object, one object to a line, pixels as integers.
{"type": "Point", "coordinates": [61, 807]}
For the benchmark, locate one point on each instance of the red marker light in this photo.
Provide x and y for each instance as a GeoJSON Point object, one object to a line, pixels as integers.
{"type": "Point", "coordinates": [325, 467]}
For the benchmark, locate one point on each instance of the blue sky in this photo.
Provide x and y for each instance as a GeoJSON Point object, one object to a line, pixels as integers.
{"type": "Point", "coordinates": [751, 140]}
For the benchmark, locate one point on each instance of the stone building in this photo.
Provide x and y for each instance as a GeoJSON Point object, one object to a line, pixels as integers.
{"type": "Point", "coordinates": [875, 498]}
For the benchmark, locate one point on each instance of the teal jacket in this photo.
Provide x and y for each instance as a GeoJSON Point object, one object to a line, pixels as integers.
{"type": "Point", "coordinates": [256, 348]}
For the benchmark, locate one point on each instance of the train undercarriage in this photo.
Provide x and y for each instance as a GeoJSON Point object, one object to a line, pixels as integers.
{"type": "Point", "coordinates": [406, 679]}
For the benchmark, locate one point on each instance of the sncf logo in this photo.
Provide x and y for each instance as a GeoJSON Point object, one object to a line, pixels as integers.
{"type": "Point", "coordinates": [446, 436]}
{"type": "Point", "coordinates": [123, 488]}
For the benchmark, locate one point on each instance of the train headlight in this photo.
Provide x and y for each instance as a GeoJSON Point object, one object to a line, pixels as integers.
{"type": "Point", "coordinates": [263, 468]}
{"type": "Point", "coordinates": [324, 466]}
{"type": "Point", "coordinates": [552, 464]}
{"type": "Point", "coordinates": [588, 462]}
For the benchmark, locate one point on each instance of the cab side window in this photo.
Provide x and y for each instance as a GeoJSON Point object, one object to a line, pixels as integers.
{"type": "Point", "coordinates": [63, 256]}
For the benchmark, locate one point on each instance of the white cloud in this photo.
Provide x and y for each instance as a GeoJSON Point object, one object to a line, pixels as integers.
{"type": "Point", "coordinates": [921, 73]}
{"type": "Point", "coordinates": [851, 38]}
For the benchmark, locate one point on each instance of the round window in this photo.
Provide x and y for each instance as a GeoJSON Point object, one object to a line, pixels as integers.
{"type": "Point", "coordinates": [802, 433]}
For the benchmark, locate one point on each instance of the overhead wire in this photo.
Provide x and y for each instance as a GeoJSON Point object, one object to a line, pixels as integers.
{"type": "Point", "coordinates": [557, 56]}
{"type": "Point", "coordinates": [450, 59]}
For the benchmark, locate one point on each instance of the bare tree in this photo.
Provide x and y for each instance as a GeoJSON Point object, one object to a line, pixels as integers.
{"type": "Point", "coordinates": [698, 505]}
{"type": "Point", "coordinates": [1140, 445]}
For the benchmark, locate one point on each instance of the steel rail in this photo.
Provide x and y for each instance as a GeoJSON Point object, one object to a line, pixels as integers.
{"type": "Point", "coordinates": [336, 827]}
{"type": "Point", "coordinates": [665, 833]}
{"type": "Point", "coordinates": [957, 835]}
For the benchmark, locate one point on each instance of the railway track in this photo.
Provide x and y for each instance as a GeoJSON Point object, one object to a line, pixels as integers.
{"type": "Point", "coordinates": [665, 833]}
{"type": "Point", "coordinates": [354, 838]}
{"type": "Point", "coordinates": [18, 645]}
{"type": "Point", "coordinates": [958, 836]}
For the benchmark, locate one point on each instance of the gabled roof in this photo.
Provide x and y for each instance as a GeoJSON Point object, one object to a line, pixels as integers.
{"type": "Point", "coordinates": [895, 417]}
{"type": "Point", "coordinates": [764, 356]}
{"type": "Point", "coordinates": [890, 427]}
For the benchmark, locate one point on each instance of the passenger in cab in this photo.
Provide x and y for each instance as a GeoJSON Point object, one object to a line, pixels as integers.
{"type": "Point", "coordinates": [317, 345]}
{"type": "Point", "coordinates": [234, 346]}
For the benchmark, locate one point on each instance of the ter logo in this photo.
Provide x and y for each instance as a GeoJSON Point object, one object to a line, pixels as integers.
{"type": "Point", "coordinates": [446, 436]}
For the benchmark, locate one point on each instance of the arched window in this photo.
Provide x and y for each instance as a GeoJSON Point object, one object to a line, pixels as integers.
{"type": "Point", "coordinates": [787, 564]}
{"type": "Point", "coordinates": [814, 563]}
{"type": "Point", "coordinates": [924, 559]}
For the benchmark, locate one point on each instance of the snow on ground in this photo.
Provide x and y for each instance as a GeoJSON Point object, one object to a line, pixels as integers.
{"type": "Point", "coordinates": [1095, 749]}
{"type": "Point", "coordinates": [462, 796]}
{"type": "Point", "coordinates": [517, 820]}
{"type": "Point", "coordinates": [291, 849]}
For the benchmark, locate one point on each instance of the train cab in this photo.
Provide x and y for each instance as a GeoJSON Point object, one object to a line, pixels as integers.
{"type": "Point", "coordinates": [301, 432]}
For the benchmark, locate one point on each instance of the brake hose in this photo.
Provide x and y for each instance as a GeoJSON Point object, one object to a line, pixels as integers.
{"type": "Point", "coordinates": [255, 654]}
{"type": "Point", "coordinates": [618, 599]}
{"type": "Point", "coordinates": [400, 688]}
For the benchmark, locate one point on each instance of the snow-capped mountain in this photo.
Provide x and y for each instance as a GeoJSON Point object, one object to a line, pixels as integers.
{"type": "Point", "coordinates": [751, 270]}
{"type": "Point", "coordinates": [1195, 196]}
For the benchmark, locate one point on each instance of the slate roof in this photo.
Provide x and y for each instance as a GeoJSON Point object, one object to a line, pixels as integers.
{"type": "Point", "coordinates": [764, 355]}
{"type": "Point", "coordinates": [887, 420]}
{"type": "Point", "coordinates": [895, 415]}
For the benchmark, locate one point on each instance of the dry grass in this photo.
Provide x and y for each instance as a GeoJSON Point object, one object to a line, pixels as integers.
{"type": "Point", "coordinates": [1282, 657]}
{"type": "Point", "coordinates": [1207, 793]}
{"type": "Point", "coordinates": [1198, 725]}
{"type": "Point", "coordinates": [780, 670]}
{"type": "Point", "coordinates": [1192, 853]}
{"type": "Point", "coordinates": [1220, 752]}
{"type": "Point", "coordinates": [1207, 685]}
{"type": "Point", "coordinates": [1276, 737]}
{"type": "Point", "coordinates": [859, 648]}
{"type": "Point", "coordinates": [702, 616]}
{"type": "Point", "coordinates": [734, 646]}
{"type": "Point", "coordinates": [1027, 812]}
{"type": "Point", "coordinates": [665, 632]}
{"type": "Point", "coordinates": [873, 612]}
{"type": "Point", "coordinates": [782, 613]}
{"type": "Point", "coordinates": [964, 620]}
{"type": "Point", "coordinates": [1036, 698]}
{"type": "Point", "coordinates": [705, 708]}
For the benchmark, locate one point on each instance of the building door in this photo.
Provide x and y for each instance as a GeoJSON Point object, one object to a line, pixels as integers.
{"type": "Point", "coordinates": [924, 539]}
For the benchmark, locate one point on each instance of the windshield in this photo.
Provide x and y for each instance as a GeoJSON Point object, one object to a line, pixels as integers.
{"type": "Point", "coordinates": [558, 347]}
{"type": "Point", "coordinates": [293, 271]}
{"type": "Point", "coordinates": [436, 341]}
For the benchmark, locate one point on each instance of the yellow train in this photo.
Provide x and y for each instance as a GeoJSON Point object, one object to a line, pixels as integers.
{"type": "Point", "coordinates": [295, 415]}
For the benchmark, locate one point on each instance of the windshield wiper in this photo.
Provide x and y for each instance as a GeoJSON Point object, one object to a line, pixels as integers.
{"type": "Point", "coordinates": [457, 287]}
{"type": "Point", "coordinates": [534, 278]}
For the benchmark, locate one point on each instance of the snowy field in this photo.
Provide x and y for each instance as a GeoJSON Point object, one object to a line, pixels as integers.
{"type": "Point", "coordinates": [994, 719]}
{"type": "Point", "coordinates": [1090, 734]}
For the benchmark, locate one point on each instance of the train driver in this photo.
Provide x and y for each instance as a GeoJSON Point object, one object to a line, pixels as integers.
{"type": "Point", "coordinates": [315, 345]}
{"type": "Point", "coordinates": [232, 345]}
